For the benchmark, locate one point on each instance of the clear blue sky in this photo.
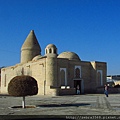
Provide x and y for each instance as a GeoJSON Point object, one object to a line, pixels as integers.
{"type": "Point", "coordinates": [90, 28]}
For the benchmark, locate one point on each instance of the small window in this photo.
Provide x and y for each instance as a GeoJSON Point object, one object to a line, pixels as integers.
{"type": "Point", "coordinates": [77, 73]}
{"type": "Point", "coordinates": [55, 51]}
{"type": "Point", "coordinates": [50, 51]}
{"type": "Point", "coordinates": [46, 51]}
{"type": "Point", "coordinates": [5, 81]}
{"type": "Point", "coordinates": [99, 78]}
{"type": "Point", "coordinates": [62, 74]}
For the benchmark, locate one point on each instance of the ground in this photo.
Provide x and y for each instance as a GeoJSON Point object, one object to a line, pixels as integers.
{"type": "Point", "coordinates": [63, 107]}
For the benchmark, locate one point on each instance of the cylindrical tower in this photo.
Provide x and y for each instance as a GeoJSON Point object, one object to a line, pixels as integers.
{"type": "Point", "coordinates": [51, 66]}
{"type": "Point", "coordinates": [30, 48]}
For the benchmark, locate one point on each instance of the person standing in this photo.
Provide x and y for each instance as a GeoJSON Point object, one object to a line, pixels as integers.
{"type": "Point", "coordinates": [78, 90]}
{"type": "Point", "coordinates": [106, 90]}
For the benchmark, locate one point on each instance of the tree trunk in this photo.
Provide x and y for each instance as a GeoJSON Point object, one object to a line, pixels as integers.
{"type": "Point", "coordinates": [23, 102]}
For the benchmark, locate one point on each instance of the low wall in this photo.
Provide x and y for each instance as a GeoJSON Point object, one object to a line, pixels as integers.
{"type": "Point", "coordinates": [110, 90]}
{"type": "Point", "coordinates": [70, 91]}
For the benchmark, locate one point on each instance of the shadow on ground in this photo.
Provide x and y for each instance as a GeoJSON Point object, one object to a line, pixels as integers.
{"type": "Point", "coordinates": [33, 117]}
{"type": "Point", "coordinates": [63, 105]}
{"type": "Point", "coordinates": [4, 95]}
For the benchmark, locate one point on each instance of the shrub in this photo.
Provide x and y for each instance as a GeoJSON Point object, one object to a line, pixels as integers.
{"type": "Point", "coordinates": [22, 86]}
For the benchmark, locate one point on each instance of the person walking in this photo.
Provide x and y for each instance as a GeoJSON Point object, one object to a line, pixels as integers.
{"type": "Point", "coordinates": [106, 90]}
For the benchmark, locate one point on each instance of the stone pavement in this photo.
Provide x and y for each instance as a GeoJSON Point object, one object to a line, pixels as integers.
{"type": "Point", "coordinates": [89, 104]}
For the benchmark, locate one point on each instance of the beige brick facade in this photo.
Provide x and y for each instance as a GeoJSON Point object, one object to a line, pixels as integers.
{"type": "Point", "coordinates": [55, 74]}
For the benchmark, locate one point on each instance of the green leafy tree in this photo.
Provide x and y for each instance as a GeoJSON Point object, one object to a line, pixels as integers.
{"type": "Point", "coordinates": [21, 86]}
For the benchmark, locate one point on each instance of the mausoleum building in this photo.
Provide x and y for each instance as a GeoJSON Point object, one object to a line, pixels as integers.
{"type": "Point", "coordinates": [56, 74]}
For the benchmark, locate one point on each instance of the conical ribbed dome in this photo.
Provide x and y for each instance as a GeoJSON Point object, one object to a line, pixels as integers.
{"type": "Point", "coordinates": [31, 42]}
{"type": "Point", "coordinates": [30, 48]}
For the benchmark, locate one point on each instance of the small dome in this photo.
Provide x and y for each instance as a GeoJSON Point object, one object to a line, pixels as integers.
{"type": "Point", "coordinates": [51, 49]}
{"type": "Point", "coordinates": [36, 58]}
{"type": "Point", "coordinates": [51, 46]}
{"type": "Point", "coordinates": [69, 55]}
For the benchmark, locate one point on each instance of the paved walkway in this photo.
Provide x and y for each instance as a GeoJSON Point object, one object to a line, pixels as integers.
{"type": "Point", "coordinates": [89, 104]}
